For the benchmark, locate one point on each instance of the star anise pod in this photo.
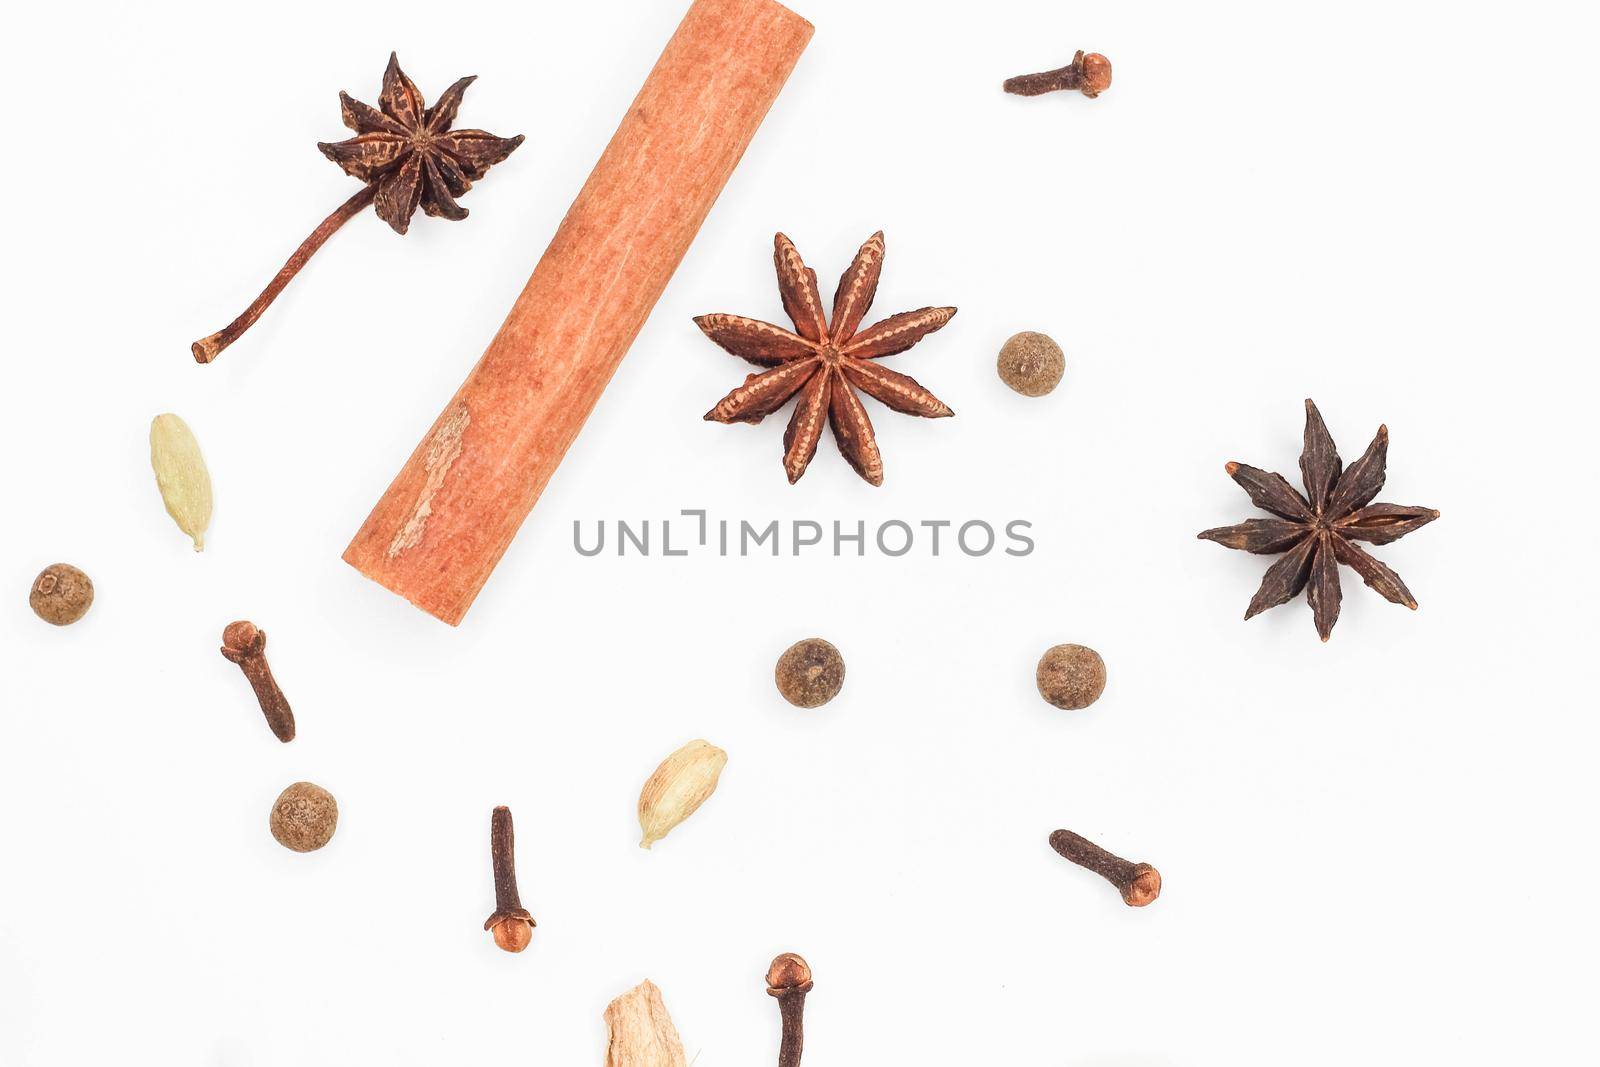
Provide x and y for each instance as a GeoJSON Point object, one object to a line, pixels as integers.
{"type": "Point", "coordinates": [407, 155]}
{"type": "Point", "coordinates": [1319, 531]}
{"type": "Point", "coordinates": [408, 151]}
{"type": "Point", "coordinates": [824, 363]}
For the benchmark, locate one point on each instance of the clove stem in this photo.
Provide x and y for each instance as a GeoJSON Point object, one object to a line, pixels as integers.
{"type": "Point", "coordinates": [1049, 81]}
{"type": "Point", "coordinates": [208, 348]}
{"type": "Point", "coordinates": [502, 846]}
{"type": "Point", "coordinates": [274, 705]}
{"type": "Point", "coordinates": [791, 1008]}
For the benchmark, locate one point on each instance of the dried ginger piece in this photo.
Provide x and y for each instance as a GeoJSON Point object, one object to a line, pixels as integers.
{"type": "Point", "coordinates": [642, 1034]}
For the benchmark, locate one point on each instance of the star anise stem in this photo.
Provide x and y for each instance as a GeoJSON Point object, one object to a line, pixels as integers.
{"type": "Point", "coordinates": [208, 348]}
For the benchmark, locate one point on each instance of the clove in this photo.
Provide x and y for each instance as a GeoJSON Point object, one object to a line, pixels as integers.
{"type": "Point", "coordinates": [789, 979]}
{"type": "Point", "coordinates": [1139, 883]}
{"type": "Point", "coordinates": [1088, 73]}
{"type": "Point", "coordinates": [511, 924]}
{"type": "Point", "coordinates": [245, 645]}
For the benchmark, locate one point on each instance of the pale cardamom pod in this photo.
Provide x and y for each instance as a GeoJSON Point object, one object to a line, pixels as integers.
{"type": "Point", "coordinates": [680, 785]}
{"type": "Point", "coordinates": [182, 476]}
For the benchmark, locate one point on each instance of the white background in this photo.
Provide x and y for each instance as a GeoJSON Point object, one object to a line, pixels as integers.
{"type": "Point", "coordinates": [1377, 850]}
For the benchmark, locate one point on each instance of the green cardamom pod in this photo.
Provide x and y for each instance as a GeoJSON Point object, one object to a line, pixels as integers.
{"type": "Point", "coordinates": [181, 475]}
{"type": "Point", "coordinates": [678, 787]}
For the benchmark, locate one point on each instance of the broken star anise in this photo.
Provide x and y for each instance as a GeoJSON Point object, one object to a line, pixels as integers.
{"type": "Point", "coordinates": [824, 363]}
{"type": "Point", "coordinates": [407, 155]}
{"type": "Point", "coordinates": [1319, 533]}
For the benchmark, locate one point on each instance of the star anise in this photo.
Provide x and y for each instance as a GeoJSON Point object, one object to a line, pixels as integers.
{"type": "Point", "coordinates": [1319, 533]}
{"type": "Point", "coordinates": [407, 155]}
{"type": "Point", "coordinates": [822, 362]}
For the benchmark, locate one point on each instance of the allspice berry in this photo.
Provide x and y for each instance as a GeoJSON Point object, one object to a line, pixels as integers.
{"type": "Point", "coordinates": [61, 595]}
{"type": "Point", "coordinates": [1032, 364]}
{"type": "Point", "coordinates": [1071, 676]}
{"type": "Point", "coordinates": [810, 673]}
{"type": "Point", "coordinates": [304, 817]}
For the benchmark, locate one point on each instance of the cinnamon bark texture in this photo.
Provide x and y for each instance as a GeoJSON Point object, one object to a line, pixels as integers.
{"type": "Point", "coordinates": [444, 523]}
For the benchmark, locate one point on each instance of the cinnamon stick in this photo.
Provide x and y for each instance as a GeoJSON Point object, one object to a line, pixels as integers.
{"type": "Point", "coordinates": [449, 516]}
